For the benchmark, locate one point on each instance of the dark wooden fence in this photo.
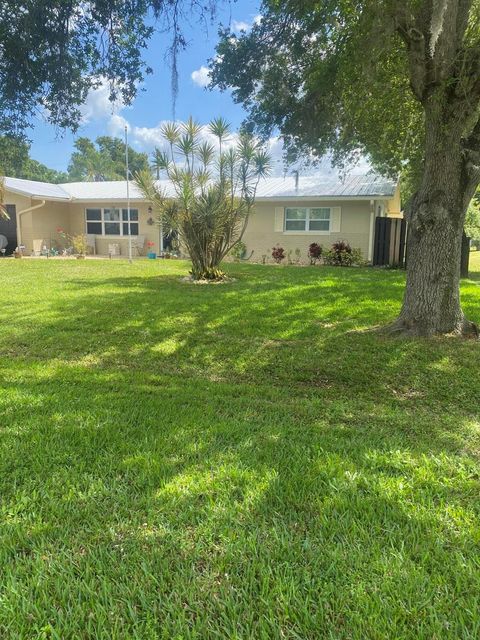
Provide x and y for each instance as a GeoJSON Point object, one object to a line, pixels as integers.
{"type": "Point", "coordinates": [390, 242]}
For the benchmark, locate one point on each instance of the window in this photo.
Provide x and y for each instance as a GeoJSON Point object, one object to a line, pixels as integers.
{"type": "Point", "coordinates": [307, 219]}
{"type": "Point", "coordinates": [319, 219]}
{"type": "Point", "coordinates": [133, 222]}
{"type": "Point", "coordinates": [295, 219]}
{"type": "Point", "coordinates": [111, 222]}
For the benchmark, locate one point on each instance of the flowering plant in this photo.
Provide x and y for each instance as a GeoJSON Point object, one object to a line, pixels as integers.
{"type": "Point", "coordinates": [77, 242]}
{"type": "Point", "coordinates": [150, 244]}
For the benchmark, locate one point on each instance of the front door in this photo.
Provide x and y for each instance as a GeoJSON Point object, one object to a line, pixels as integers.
{"type": "Point", "coordinates": [8, 228]}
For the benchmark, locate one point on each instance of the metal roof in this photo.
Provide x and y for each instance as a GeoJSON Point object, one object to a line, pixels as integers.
{"type": "Point", "coordinates": [359, 186]}
{"type": "Point", "coordinates": [35, 189]}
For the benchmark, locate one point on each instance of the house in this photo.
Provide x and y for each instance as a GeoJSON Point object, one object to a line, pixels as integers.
{"type": "Point", "coordinates": [290, 211]}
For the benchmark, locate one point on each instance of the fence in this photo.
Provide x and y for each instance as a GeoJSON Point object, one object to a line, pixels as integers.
{"type": "Point", "coordinates": [390, 242]}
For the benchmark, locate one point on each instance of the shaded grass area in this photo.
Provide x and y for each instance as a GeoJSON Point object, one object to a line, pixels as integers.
{"type": "Point", "coordinates": [239, 461]}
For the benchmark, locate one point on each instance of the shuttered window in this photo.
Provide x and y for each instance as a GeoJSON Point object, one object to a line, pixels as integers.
{"type": "Point", "coordinates": [307, 219]}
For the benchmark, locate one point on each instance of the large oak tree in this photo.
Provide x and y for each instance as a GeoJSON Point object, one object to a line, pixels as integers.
{"type": "Point", "coordinates": [398, 80]}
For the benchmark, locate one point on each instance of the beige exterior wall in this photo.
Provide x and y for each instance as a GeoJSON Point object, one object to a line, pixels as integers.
{"type": "Point", "coordinates": [42, 224]}
{"type": "Point", "coordinates": [150, 232]}
{"type": "Point", "coordinates": [394, 207]}
{"type": "Point", "coordinates": [355, 225]}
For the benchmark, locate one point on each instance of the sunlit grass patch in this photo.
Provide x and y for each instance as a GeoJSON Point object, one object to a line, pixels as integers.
{"type": "Point", "coordinates": [244, 461]}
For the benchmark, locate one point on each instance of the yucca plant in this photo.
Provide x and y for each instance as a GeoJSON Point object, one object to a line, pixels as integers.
{"type": "Point", "coordinates": [212, 190]}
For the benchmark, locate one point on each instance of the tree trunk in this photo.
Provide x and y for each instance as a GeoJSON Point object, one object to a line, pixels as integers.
{"type": "Point", "coordinates": [435, 218]}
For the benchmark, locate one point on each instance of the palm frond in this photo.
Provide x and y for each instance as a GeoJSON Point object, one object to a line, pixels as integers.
{"type": "Point", "coordinates": [191, 128]}
{"type": "Point", "coordinates": [205, 153]}
{"type": "Point", "coordinates": [220, 128]}
{"type": "Point", "coordinates": [170, 131]}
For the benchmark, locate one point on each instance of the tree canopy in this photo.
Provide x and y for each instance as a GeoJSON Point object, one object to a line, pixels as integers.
{"type": "Point", "coordinates": [53, 52]}
{"type": "Point", "coordinates": [336, 76]}
{"type": "Point", "coordinates": [103, 159]}
{"type": "Point", "coordinates": [472, 220]}
{"type": "Point", "coordinates": [15, 161]}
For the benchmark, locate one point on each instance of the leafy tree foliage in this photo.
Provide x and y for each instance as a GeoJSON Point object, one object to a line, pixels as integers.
{"type": "Point", "coordinates": [52, 52]}
{"type": "Point", "coordinates": [472, 221]}
{"type": "Point", "coordinates": [213, 193]}
{"type": "Point", "coordinates": [103, 159]}
{"type": "Point", "coordinates": [15, 162]}
{"type": "Point", "coordinates": [399, 81]}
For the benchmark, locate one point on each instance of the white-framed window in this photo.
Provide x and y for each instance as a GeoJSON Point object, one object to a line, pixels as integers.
{"type": "Point", "coordinates": [308, 219]}
{"type": "Point", "coordinates": [111, 222]}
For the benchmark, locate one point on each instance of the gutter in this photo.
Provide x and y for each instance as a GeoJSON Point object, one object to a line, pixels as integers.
{"type": "Point", "coordinates": [20, 213]}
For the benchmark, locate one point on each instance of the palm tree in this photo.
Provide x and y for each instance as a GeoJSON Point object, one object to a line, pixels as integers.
{"type": "Point", "coordinates": [159, 161]}
{"type": "Point", "coordinates": [210, 207]}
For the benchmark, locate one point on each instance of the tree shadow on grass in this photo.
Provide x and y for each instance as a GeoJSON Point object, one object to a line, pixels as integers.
{"type": "Point", "coordinates": [235, 462]}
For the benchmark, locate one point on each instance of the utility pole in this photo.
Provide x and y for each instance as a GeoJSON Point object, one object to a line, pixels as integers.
{"type": "Point", "coordinates": [128, 199]}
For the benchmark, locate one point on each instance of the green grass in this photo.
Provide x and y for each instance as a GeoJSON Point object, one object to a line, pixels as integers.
{"type": "Point", "coordinates": [232, 462]}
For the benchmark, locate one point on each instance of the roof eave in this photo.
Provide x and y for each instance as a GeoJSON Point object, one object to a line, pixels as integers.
{"type": "Point", "coordinates": [33, 196]}
{"type": "Point", "coordinates": [372, 196]}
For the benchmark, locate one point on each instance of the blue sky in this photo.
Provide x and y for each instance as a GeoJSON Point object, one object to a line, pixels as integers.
{"type": "Point", "coordinates": [153, 103]}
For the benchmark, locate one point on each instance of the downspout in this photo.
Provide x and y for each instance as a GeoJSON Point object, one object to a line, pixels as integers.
{"type": "Point", "coordinates": [371, 232]}
{"type": "Point", "coordinates": [20, 213]}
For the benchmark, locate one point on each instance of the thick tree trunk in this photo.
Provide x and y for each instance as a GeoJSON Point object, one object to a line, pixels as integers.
{"type": "Point", "coordinates": [435, 218]}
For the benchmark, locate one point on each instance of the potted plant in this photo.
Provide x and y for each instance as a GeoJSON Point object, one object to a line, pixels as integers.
{"type": "Point", "coordinates": [151, 253]}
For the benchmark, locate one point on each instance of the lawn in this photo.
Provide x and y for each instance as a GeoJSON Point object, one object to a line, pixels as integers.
{"type": "Point", "coordinates": [239, 461]}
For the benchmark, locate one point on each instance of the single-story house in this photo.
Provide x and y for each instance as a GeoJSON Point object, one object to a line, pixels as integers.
{"type": "Point", "coordinates": [291, 211]}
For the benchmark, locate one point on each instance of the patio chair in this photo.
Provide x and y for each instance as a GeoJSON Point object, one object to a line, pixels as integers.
{"type": "Point", "coordinates": [91, 244]}
{"type": "Point", "coordinates": [38, 245]}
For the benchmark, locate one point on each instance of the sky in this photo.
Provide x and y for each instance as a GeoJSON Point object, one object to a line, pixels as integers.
{"type": "Point", "coordinates": [153, 104]}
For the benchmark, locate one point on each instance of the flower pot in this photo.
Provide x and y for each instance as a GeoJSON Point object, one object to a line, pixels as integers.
{"type": "Point", "coordinates": [80, 257]}
{"type": "Point", "coordinates": [152, 255]}
{"type": "Point", "coordinates": [17, 254]}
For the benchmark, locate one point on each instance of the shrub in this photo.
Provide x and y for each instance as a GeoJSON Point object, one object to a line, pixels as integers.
{"type": "Point", "coordinates": [213, 190]}
{"type": "Point", "coordinates": [341, 254]}
{"type": "Point", "coordinates": [78, 243]}
{"type": "Point", "coordinates": [278, 254]}
{"type": "Point", "coordinates": [315, 252]}
{"type": "Point", "coordinates": [239, 251]}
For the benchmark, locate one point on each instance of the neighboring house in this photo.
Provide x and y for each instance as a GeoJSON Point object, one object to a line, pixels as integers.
{"type": "Point", "coordinates": [292, 212]}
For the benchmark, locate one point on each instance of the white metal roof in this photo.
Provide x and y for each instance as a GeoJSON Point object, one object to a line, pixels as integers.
{"type": "Point", "coordinates": [360, 186]}
{"type": "Point", "coordinates": [34, 189]}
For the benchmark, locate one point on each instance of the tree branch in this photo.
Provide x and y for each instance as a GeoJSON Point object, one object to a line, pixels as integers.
{"type": "Point", "coordinates": [408, 29]}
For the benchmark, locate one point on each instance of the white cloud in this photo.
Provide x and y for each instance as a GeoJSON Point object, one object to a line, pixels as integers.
{"type": "Point", "coordinates": [240, 25]}
{"type": "Point", "coordinates": [201, 77]}
{"type": "Point", "coordinates": [237, 26]}
{"type": "Point", "coordinates": [116, 125]}
{"type": "Point", "coordinates": [148, 138]}
{"type": "Point", "coordinates": [98, 105]}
